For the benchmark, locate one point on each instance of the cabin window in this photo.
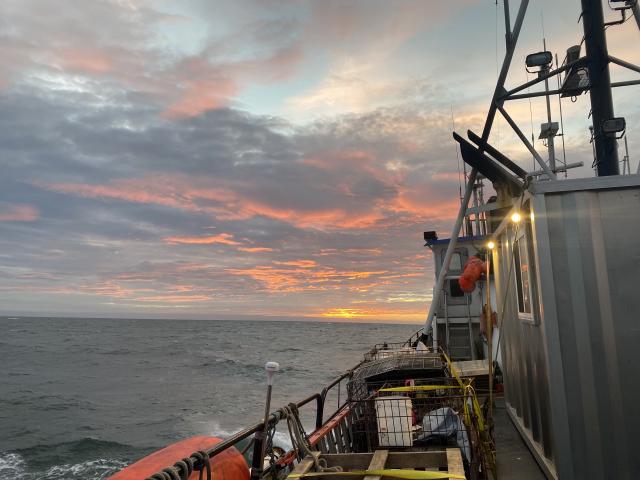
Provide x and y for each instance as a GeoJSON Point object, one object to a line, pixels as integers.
{"type": "Point", "coordinates": [456, 260]}
{"type": "Point", "coordinates": [453, 292]}
{"type": "Point", "coordinates": [454, 288]}
{"type": "Point", "coordinates": [523, 275]}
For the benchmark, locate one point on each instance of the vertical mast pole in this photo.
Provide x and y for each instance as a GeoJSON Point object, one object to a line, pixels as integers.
{"type": "Point", "coordinates": [636, 13]}
{"type": "Point", "coordinates": [512, 39]}
{"type": "Point", "coordinates": [550, 141]}
{"type": "Point", "coordinates": [488, 316]}
{"type": "Point", "coordinates": [606, 145]}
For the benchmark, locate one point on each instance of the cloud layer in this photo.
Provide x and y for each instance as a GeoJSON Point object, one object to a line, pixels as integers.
{"type": "Point", "coordinates": [233, 159]}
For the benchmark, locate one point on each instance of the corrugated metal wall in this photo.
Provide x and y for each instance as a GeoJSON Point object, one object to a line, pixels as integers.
{"type": "Point", "coordinates": [572, 375]}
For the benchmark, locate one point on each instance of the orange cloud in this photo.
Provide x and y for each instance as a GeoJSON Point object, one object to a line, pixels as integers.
{"type": "Point", "coordinates": [302, 275]}
{"type": "Point", "coordinates": [14, 212]}
{"type": "Point", "coordinates": [298, 263]}
{"type": "Point", "coordinates": [417, 315]}
{"type": "Point", "coordinates": [255, 249]}
{"type": "Point", "coordinates": [174, 298]}
{"type": "Point", "coordinates": [220, 239]}
{"type": "Point", "coordinates": [200, 96]}
{"type": "Point", "coordinates": [86, 60]}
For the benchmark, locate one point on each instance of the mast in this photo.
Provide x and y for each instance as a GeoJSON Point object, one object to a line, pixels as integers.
{"type": "Point", "coordinates": [606, 145]}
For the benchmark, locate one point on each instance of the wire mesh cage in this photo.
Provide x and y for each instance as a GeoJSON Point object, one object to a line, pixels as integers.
{"type": "Point", "coordinates": [418, 414]}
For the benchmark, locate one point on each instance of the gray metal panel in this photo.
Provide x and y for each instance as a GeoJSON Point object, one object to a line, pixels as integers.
{"type": "Point", "coordinates": [573, 381]}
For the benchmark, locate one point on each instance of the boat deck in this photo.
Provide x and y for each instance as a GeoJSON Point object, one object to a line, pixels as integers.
{"type": "Point", "coordinates": [514, 459]}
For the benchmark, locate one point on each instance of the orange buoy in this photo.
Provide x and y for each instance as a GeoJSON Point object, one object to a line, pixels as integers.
{"type": "Point", "coordinates": [228, 465]}
{"type": "Point", "coordinates": [473, 270]}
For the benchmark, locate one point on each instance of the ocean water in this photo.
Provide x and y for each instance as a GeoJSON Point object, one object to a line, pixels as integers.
{"type": "Point", "coordinates": [81, 398]}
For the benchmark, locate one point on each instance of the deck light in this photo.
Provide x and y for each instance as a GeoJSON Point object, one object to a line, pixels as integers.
{"type": "Point", "coordinates": [516, 217]}
{"type": "Point", "coordinates": [614, 126]}
{"type": "Point", "coordinates": [539, 59]}
{"type": "Point", "coordinates": [491, 245]}
{"type": "Point", "coordinates": [621, 4]}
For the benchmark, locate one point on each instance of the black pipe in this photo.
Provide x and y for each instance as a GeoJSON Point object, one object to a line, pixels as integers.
{"type": "Point", "coordinates": [606, 145]}
{"type": "Point", "coordinates": [495, 153]}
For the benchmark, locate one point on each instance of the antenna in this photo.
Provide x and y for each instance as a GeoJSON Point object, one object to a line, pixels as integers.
{"type": "Point", "coordinates": [259, 444]}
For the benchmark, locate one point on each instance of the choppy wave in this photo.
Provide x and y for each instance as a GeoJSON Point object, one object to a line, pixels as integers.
{"type": "Point", "coordinates": [14, 467]}
{"type": "Point", "coordinates": [152, 383]}
{"type": "Point", "coordinates": [95, 460]}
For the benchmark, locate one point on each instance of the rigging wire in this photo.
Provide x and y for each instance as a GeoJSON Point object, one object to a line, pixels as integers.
{"type": "Point", "coordinates": [564, 152]}
{"type": "Point", "coordinates": [497, 75]}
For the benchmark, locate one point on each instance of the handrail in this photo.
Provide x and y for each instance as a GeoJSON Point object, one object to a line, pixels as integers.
{"type": "Point", "coordinates": [274, 418]}
{"type": "Point", "coordinates": [325, 391]}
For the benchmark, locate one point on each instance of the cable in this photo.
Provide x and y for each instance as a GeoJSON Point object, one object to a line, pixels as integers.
{"type": "Point", "coordinates": [564, 152]}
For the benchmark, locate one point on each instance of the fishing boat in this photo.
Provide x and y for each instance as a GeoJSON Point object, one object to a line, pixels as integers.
{"type": "Point", "coordinates": [527, 364]}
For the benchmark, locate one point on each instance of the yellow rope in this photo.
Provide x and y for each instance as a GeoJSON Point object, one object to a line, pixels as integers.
{"type": "Point", "coordinates": [418, 388]}
{"type": "Point", "coordinates": [390, 472]}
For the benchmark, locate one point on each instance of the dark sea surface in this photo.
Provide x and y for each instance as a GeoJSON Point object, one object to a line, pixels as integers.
{"type": "Point", "coordinates": [81, 398]}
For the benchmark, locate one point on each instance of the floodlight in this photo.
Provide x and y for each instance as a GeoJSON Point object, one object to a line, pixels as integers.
{"type": "Point", "coordinates": [539, 59]}
{"type": "Point", "coordinates": [614, 125]}
{"type": "Point", "coordinates": [548, 130]}
{"type": "Point", "coordinates": [621, 4]}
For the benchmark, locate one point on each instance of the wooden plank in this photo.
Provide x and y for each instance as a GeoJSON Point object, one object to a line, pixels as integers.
{"type": "Point", "coordinates": [377, 463]}
{"type": "Point", "coordinates": [472, 368]}
{"type": "Point", "coordinates": [412, 460]}
{"type": "Point", "coordinates": [307, 462]}
{"type": "Point", "coordinates": [454, 461]}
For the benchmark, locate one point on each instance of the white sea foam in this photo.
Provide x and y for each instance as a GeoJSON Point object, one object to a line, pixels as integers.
{"type": "Point", "coordinates": [280, 439]}
{"type": "Point", "coordinates": [90, 470]}
{"type": "Point", "coordinates": [11, 466]}
{"type": "Point", "coordinates": [14, 467]}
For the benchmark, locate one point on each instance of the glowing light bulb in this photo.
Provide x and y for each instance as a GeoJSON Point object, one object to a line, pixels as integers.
{"type": "Point", "coordinates": [516, 217]}
{"type": "Point", "coordinates": [491, 245]}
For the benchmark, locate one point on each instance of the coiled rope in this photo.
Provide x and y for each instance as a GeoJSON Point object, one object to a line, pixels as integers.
{"type": "Point", "coordinates": [182, 469]}
{"type": "Point", "coordinates": [299, 439]}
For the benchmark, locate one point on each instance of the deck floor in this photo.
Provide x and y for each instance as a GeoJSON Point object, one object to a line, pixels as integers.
{"type": "Point", "coordinates": [515, 461]}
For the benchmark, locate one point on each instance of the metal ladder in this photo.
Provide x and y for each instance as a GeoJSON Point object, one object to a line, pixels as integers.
{"type": "Point", "coordinates": [459, 335]}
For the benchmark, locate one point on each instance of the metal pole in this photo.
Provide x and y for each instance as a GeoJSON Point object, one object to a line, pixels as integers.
{"type": "Point", "coordinates": [507, 23]}
{"type": "Point", "coordinates": [626, 162]}
{"type": "Point", "coordinates": [530, 147]}
{"type": "Point", "coordinates": [636, 13]}
{"type": "Point", "coordinates": [447, 256]}
{"type": "Point", "coordinates": [499, 90]}
{"type": "Point", "coordinates": [475, 204]}
{"type": "Point", "coordinates": [550, 141]}
{"type": "Point", "coordinates": [624, 64]}
{"type": "Point", "coordinates": [606, 145]}
{"type": "Point", "coordinates": [260, 436]}
{"type": "Point", "coordinates": [489, 320]}
{"type": "Point", "coordinates": [506, 63]}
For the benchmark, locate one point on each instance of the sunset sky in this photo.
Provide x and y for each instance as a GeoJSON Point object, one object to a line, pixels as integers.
{"type": "Point", "coordinates": [250, 158]}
